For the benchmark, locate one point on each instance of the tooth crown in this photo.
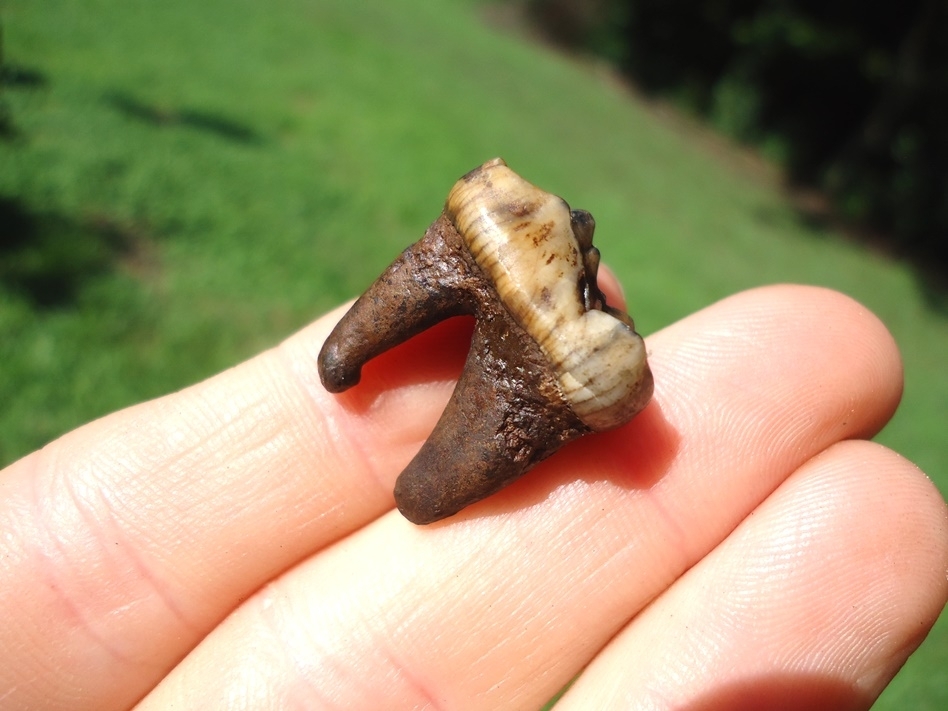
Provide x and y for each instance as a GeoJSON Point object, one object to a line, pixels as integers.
{"type": "Point", "coordinates": [523, 239]}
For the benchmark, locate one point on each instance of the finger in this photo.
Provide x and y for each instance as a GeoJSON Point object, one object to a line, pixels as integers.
{"type": "Point", "coordinates": [153, 523]}
{"type": "Point", "coordinates": [815, 601]}
{"type": "Point", "coordinates": [502, 605]}
{"type": "Point", "coordinates": [138, 502]}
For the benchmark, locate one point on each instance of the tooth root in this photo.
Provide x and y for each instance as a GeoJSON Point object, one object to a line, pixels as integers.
{"type": "Point", "coordinates": [504, 416]}
{"type": "Point", "coordinates": [423, 286]}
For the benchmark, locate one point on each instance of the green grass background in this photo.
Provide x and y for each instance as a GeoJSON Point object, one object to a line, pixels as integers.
{"type": "Point", "coordinates": [204, 178]}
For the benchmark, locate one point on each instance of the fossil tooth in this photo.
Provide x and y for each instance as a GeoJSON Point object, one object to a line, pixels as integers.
{"type": "Point", "coordinates": [549, 360]}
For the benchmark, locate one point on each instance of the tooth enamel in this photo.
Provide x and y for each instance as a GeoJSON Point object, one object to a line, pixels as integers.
{"type": "Point", "coordinates": [522, 238]}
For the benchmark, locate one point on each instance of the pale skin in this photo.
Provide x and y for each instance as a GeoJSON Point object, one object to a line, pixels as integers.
{"type": "Point", "coordinates": [739, 545]}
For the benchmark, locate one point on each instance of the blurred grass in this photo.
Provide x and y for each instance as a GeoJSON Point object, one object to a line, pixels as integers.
{"type": "Point", "coordinates": [192, 181]}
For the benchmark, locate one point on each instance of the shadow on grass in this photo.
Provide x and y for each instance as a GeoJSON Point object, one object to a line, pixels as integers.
{"type": "Point", "coordinates": [14, 76]}
{"type": "Point", "coordinates": [159, 116]}
{"type": "Point", "coordinates": [17, 76]}
{"type": "Point", "coordinates": [815, 213]}
{"type": "Point", "coordinates": [48, 258]}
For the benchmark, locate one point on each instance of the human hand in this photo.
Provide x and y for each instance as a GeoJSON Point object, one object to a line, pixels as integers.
{"type": "Point", "coordinates": [737, 546]}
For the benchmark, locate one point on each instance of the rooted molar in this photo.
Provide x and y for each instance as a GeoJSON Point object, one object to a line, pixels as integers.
{"type": "Point", "coordinates": [549, 360]}
{"type": "Point", "coordinates": [525, 242]}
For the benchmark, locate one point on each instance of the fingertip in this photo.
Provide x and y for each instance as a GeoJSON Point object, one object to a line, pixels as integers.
{"type": "Point", "coordinates": [825, 345]}
{"type": "Point", "coordinates": [846, 329]}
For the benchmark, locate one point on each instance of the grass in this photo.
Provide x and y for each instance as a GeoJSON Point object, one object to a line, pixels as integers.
{"type": "Point", "coordinates": [190, 182]}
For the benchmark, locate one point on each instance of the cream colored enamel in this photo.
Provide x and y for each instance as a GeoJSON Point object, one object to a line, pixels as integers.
{"type": "Point", "coordinates": [521, 237]}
